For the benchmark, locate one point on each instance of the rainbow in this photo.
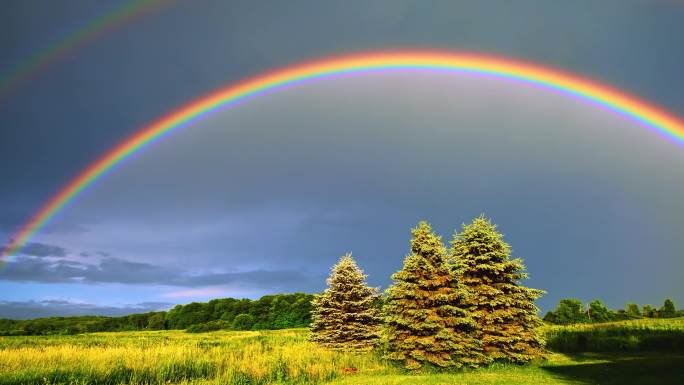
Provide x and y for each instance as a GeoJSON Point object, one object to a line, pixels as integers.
{"type": "Point", "coordinates": [89, 32]}
{"type": "Point", "coordinates": [621, 103]}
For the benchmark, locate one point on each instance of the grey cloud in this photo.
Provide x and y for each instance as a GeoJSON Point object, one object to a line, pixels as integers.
{"type": "Point", "coordinates": [565, 222]}
{"type": "Point", "coordinates": [86, 254]}
{"type": "Point", "coordinates": [64, 308]}
{"type": "Point", "coordinates": [43, 250]}
{"type": "Point", "coordinates": [232, 201]}
{"type": "Point", "coordinates": [271, 279]}
{"type": "Point", "coordinates": [117, 270]}
{"type": "Point", "coordinates": [28, 269]}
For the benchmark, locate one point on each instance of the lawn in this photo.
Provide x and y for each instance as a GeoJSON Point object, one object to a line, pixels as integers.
{"type": "Point", "coordinates": [286, 357]}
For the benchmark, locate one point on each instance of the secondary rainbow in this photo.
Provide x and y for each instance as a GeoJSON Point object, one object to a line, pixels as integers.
{"type": "Point", "coordinates": [87, 33]}
{"type": "Point", "coordinates": [646, 114]}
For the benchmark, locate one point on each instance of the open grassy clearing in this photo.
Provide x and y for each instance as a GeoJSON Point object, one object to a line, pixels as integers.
{"type": "Point", "coordinates": [286, 357]}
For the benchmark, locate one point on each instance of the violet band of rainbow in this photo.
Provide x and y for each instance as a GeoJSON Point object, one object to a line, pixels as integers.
{"type": "Point", "coordinates": [631, 107]}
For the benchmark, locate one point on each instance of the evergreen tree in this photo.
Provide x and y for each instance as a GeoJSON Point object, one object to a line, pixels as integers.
{"type": "Point", "coordinates": [345, 315]}
{"type": "Point", "coordinates": [425, 319]}
{"type": "Point", "coordinates": [503, 309]}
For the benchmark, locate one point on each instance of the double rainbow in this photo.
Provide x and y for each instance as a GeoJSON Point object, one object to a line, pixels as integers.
{"type": "Point", "coordinates": [87, 33]}
{"type": "Point", "coordinates": [626, 105]}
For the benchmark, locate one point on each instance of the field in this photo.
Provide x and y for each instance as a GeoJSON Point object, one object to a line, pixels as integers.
{"type": "Point", "coordinates": [631, 356]}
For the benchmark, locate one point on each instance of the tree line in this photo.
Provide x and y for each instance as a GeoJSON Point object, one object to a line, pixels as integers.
{"type": "Point", "coordinates": [278, 311]}
{"type": "Point", "coordinates": [456, 306]}
{"type": "Point", "coordinates": [572, 311]}
{"type": "Point", "coordinates": [82, 324]}
{"type": "Point", "coordinates": [446, 308]}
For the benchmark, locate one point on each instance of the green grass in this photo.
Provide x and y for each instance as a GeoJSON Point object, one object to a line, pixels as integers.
{"type": "Point", "coordinates": [285, 357]}
{"type": "Point", "coordinates": [624, 336]}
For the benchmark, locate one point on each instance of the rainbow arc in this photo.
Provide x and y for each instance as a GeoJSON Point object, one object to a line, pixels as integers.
{"type": "Point", "coordinates": [596, 94]}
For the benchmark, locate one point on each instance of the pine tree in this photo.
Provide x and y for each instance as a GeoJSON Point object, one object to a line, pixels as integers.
{"type": "Point", "coordinates": [504, 310]}
{"type": "Point", "coordinates": [425, 321]}
{"type": "Point", "coordinates": [345, 315]}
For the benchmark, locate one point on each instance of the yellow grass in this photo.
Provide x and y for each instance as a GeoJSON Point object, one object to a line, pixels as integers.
{"type": "Point", "coordinates": [286, 357]}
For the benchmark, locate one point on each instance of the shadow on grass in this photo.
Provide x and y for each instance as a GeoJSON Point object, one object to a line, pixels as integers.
{"type": "Point", "coordinates": [622, 369]}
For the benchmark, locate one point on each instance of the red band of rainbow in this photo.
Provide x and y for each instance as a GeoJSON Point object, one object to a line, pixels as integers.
{"type": "Point", "coordinates": [631, 107]}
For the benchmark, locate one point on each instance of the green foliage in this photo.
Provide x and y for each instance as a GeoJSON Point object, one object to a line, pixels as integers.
{"type": "Point", "coordinates": [278, 311]}
{"type": "Point", "coordinates": [598, 312]}
{"type": "Point", "coordinates": [243, 321]}
{"type": "Point", "coordinates": [345, 315]}
{"type": "Point", "coordinates": [668, 309]}
{"type": "Point", "coordinates": [632, 309]}
{"type": "Point", "coordinates": [269, 312]}
{"type": "Point", "coordinates": [183, 316]}
{"type": "Point", "coordinates": [568, 311]}
{"type": "Point", "coordinates": [156, 321]}
{"type": "Point", "coordinates": [649, 312]}
{"type": "Point", "coordinates": [503, 309]}
{"type": "Point", "coordinates": [426, 322]}
{"type": "Point", "coordinates": [209, 327]}
{"type": "Point", "coordinates": [81, 324]}
{"type": "Point", "coordinates": [622, 315]}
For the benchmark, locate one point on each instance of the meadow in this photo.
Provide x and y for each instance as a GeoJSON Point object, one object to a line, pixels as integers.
{"type": "Point", "coordinates": [286, 357]}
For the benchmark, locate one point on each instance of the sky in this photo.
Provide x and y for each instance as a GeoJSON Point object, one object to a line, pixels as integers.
{"type": "Point", "coordinates": [264, 197]}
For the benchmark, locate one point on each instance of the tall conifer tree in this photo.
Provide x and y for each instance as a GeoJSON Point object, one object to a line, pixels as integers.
{"type": "Point", "coordinates": [345, 315]}
{"type": "Point", "coordinates": [503, 309]}
{"type": "Point", "coordinates": [425, 321]}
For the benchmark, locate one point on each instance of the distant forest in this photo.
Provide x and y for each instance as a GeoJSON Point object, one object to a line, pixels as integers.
{"type": "Point", "coordinates": [281, 311]}
{"type": "Point", "coordinates": [573, 311]}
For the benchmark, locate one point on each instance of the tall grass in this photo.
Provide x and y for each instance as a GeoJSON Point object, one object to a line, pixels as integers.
{"type": "Point", "coordinates": [172, 357]}
{"type": "Point", "coordinates": [277, 357]}
{"type": "Point", "coordinates": [624, 336]}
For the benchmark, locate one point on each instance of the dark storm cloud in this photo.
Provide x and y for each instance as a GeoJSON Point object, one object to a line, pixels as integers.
{"type": "Point", "coordinates": [377, 154]}
{"type": "Point", "coordinates": [65, 308]}
{"type": "Point", "coordinates": [117, 270]}
{"type": "Point", "coordinates": [279, 279]}
{"type": "Point", "coordinates": [635, 44]}
{"type": "Point", "coordinates": [43, 250]}
{"type": "Point", "coordinates": [13, 211]}
{"type": "Point", "coordinates": [366, 194]}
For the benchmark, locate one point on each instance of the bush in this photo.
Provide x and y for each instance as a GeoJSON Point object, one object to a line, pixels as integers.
{"type": "Point", "coordinates": [243, 322]}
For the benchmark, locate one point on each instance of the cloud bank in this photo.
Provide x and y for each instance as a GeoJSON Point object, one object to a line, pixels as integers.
{"type": "Point", "coordinates": [117, 270]}
{"type": "Point", "coordinates": [66, 308]}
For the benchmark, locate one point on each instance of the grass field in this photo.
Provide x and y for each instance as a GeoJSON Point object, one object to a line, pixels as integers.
{"type": "Point", "coordinates": [285, 357]}
{"type": "Point", "coordinates": [625, 336]}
